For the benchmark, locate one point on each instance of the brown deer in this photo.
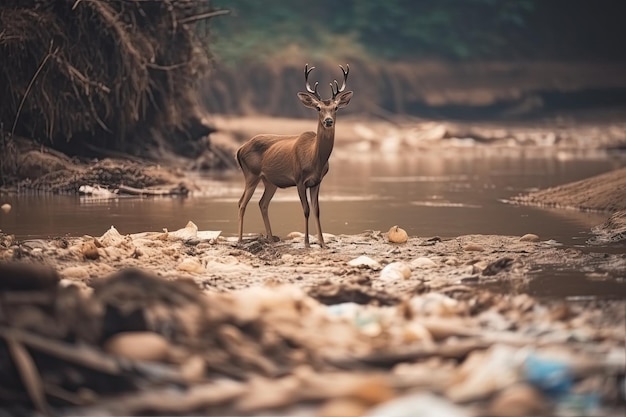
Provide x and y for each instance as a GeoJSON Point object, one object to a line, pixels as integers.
{"type": "Point", "coordinates": [283, 161]}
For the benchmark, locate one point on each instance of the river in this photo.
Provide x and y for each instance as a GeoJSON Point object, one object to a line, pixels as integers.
{"type": "Point", "coordinates": [443, 192]}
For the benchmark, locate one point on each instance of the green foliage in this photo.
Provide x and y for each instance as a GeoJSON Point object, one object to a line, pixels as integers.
{"type": "Point", "coordinates": [390, 29]}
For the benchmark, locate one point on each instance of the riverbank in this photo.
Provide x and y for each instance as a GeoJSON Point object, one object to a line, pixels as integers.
{"type": "Point", "coordinates": [259, 327]}
{"type": "Point", "coordinates": [235, 322]}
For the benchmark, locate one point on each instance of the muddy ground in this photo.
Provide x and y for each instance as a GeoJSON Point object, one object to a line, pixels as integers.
{"type": "Point", "coordinates": [276, 328]}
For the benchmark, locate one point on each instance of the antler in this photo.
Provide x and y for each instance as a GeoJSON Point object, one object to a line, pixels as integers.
{"type": "Point", "coordinates": [336, 90]}
{"type": "Point", "coordinates": [307, 71]}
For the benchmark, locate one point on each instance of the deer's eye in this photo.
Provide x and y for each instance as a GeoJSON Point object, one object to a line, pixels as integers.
{"type": "Point", "coordinates": [319, 108]}
{"type": "Point", "coordinates": [336, 108]}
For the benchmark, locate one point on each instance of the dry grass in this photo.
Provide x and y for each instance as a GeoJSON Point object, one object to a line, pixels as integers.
{"type": "Point", "coordinates": [99, 70]}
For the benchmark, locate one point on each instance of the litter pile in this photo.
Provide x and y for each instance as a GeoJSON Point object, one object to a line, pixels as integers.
{"type": "Point", "coordinates": [134, 343]}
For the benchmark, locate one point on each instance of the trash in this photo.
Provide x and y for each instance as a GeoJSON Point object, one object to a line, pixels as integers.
{"type": "Point", "coordinates": [553, 377]}
{"type": "Point", "coordinates": [6, 207]}
{"type": "Point", "coordinates": [419, 404]}
{"type": "Point", "coordinates": [96, 192]}
{"type": "Point", "coordinates": [242, 336]}
{"type": "Point", "coordinates": [484, 373]}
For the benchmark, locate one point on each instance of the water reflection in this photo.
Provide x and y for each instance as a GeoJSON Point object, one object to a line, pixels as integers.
{"type": "Point", "coordinates": [444, 193]}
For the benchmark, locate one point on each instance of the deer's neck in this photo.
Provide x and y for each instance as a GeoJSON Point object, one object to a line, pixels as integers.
{"type": "Point", "coordinates": [324, 143]}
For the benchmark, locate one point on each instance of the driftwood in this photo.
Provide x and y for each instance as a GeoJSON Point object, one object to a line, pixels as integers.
{"type": "Point", "coordinates": [177, 190]}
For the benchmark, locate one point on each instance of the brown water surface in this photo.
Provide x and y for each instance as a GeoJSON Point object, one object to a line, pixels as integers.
{"type": "Point", "coordinates": [444, 193]}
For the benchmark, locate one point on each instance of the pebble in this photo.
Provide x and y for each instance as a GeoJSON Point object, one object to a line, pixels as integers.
{"type": "Point", "coordinates": [416, 332]}
{"type": "Point", "coordinates": [191, 265]}
{"type": "Point", "coordinates": [423, 262]}
{"type": "Point", "coordinates": [141, 346]}
{"type": "Point", "coordinates": [395, 271]}
{"type": "Point", "coordinates": [75, 272]}
{"type": "Point", "coordinates": [365, 262]}
{"type": "Point", "coordinates": [6, 207]}
{"type": "Point", "coordinates": [193, 369]}
{"type": "Point", "coordinates": [473, 247]}
{"type": "Point", "coordinates": [346, 407]}
{"type": "Point", "coordinates": [518, 400]}
{"type": "Point", "coordinates": [529, 237]}
{"type": "Point", "coordinates": [89, 250]}
{"type": "Point", "coordinates": [397, 235]}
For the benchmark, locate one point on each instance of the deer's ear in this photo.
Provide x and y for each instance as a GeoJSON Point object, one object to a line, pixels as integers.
{"type": "Point", "coordinates": [308, 100]}
{"type": "Point", "coordinates": [344, 98]}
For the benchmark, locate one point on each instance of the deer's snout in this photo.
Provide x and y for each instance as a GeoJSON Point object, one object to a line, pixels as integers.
{"type": "Point", "coordinates": [328, 122]}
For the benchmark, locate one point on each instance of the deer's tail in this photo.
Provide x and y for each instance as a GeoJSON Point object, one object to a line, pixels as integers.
{"type": "Point", "coordinates": [239, 158]}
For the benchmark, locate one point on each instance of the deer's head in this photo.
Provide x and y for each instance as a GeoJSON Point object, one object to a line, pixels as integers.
{"type": "Point", "coordinates": [326, 109]}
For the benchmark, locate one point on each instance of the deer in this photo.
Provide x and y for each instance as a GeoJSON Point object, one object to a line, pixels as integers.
{"type": "Point", "coordinates": [283, 161]}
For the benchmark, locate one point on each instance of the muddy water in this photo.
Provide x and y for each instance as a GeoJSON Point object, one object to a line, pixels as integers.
{"type": "Point", "coordinates": [442, 193]}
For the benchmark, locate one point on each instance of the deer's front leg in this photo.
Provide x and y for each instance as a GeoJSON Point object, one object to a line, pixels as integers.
{"type": "Point", "coordinates": [305, 208]}
{"type": "Point", "coordinates": [315, 193]}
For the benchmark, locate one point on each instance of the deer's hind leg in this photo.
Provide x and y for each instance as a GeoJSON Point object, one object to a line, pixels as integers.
{"type": "Point", "coordinates": [250, 186]}
{"type": "Point", "coordinates": [264, 203]}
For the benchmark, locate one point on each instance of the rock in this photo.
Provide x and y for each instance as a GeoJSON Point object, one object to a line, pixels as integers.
{"type": "Point", "coordinates": [518, 400]}
{"type": "Point", "coordinates": [295, 235]}
{"type": "Point", "coordinates": [395, 271]}
{"type": "Point", "coordinates": [478, 267]}
{"type": "Point", "coordinates": [416, 332]}
{"type": "Point", "coordinates": [502, 264]}
{"type": "Point", "coordinates": [345, 407]}
{"type": "Point", "coordinates": [397, 235]}
{"type": "Point", "coordinates": [365, 262]}
{"type": "Point", "coordinates": [90, 250]}
{"type": "Point", "coordinates": [613, 230]}
{"type": "Point", "coordinates": [75, 272]}
{"type": "Point", "coordinates": [434, 304]}
{"type": "Point", "coordinates": [141, 346]}
{"type": "Point", "coordinates": [529, 237]}
{"type": "Point", "coordinates": [191, 265]}
{"type": "Point", "coordinates": [473, 247]}
{"type": "Point", "coordinates": [423, 262]}
{"type": "Point", "coordinates": [6, 207]}
{"type": "Point", "coordinates": [193, 368]}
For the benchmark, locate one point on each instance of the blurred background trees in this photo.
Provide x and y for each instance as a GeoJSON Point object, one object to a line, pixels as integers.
{"type": "Point", "coordinates": [422, 29]}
